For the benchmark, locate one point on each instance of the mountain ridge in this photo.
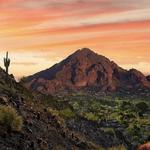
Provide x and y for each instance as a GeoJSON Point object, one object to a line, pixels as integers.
{"type": "Point", "coordinates": [86, 69]}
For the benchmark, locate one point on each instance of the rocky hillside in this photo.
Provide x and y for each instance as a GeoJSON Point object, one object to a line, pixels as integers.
{"type": "Point", "coordinates": [78, 121]}
{"type": "Point", "coordinates": [28, 125]}
{"type": "Point", "coordinates": [86, 69]}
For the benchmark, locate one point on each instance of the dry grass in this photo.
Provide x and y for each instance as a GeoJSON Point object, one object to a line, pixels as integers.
{"type": "Point", "coordinates": [10, 119]}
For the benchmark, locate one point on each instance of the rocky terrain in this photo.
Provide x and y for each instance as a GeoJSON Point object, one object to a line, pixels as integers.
{"type": "Point", "coordinates": [85, 102]}
{"type": "Point", "coordinates": [86, 69]}
{"type": "Point", "coordinates": [42, 128]}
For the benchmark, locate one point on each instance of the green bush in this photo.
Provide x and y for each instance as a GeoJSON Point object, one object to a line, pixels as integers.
{"type": "Point", "coordinates": [10, 118]}
{"type": "Point", "coordinates": [101, 148]}
{"type": "Point", "coordinates": [67, 113]}
{"type": "Point", "coordinates": [53, 112]}
{"type": "Point", "coordinates": [91, 116]}
{"type": "Point", "coordinates": [60, 120]}
{"type": "Point", "coordinates": [109, 131]}
{"type": "Point", "coordinates": [76, 106]}
{"type": "Point", "coordinates": [142, 107]}
{"type": "Point", "coordinates": [126, 105]}
{"type": "Point", "coordinates": [120, 147]}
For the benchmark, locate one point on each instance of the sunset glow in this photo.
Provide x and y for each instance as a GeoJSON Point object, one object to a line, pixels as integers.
{"type": "Point", "coordinates": [40, 33]}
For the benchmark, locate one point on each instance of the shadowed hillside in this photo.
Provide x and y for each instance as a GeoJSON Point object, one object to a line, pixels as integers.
{"type": "Point", "coordinates": [26, 124]}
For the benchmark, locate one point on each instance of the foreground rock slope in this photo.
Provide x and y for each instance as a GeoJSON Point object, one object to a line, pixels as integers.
{"type": "Point", "coordinates": [40, 130]}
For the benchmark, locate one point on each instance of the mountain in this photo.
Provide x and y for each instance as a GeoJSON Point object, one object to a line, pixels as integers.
{"type": "Point", "coordinates": [86, 69]}
{"type": "Point", "coordinates": [32, 121]}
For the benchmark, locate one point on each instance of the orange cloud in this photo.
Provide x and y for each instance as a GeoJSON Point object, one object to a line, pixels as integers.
{"type": "Point", "coordinates": [48, 28]}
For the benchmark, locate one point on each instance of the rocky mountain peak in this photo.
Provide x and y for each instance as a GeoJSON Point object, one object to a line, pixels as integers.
{"type": "Point", "coordinates": [86, 69]}
{"type": "Point", "coordinates": [84, 51]}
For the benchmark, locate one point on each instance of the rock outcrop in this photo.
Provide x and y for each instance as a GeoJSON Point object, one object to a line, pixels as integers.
{"type": "Point", "coordinates": [148, 78]}
{"type": "Point", "coordinates": [86, 69]}
{"type": "Point", "coordinates": [145, 146]}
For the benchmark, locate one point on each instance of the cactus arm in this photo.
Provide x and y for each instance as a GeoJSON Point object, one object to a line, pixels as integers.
{"type": "Point", "coordinates": [7, 55]}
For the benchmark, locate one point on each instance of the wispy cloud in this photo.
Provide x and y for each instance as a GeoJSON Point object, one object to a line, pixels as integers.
{"type": "Point", "coordinates": [24, 63]}
{"type": "Point", "coordinates": [59, 27]}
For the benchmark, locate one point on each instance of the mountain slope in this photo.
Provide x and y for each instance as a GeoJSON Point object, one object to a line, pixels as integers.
{"type": "Point", "coordinates": [86, 69]}
{"type": "Point", "coordinates": [41, 130]}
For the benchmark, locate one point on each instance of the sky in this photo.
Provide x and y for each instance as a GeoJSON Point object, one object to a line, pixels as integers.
{"type": "Point", "coordinates": [40, 33]}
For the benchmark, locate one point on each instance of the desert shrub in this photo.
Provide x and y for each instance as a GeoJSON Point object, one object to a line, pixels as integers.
{"type": "Point", "coordinates": [10, 118]}
{"type": "Point", "coordinates": [76, 106]}
{"type": "Point", "coordinates": [120, 147]}
{"type": "Point", "coordinates": [109, 131]}
{"type": "Point", "coordinates": [136, 132]}
{"type": "Point", "coordinates": [95, 106]}
{"type": "Point", "coordinates": [145, 121]}
{"type": "Point", "coordinates": [53, 111]}
{"type": "Point", "coordinates": [91, 116]}
{"type": "Point", "coordinates": [99, 148]}
{"type": "Point", "coordinates": [67, 113]}
{"type": "Point", "coordinates": [142, 107]}
{"type": "Point", "coordinates": [126, 105]}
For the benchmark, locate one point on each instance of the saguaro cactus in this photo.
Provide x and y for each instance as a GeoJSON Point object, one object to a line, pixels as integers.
{"type": "Point", "coordinates": [6, 62]}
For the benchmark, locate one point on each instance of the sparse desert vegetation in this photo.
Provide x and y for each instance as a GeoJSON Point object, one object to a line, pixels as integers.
{"type": "Point", "coordinates": [112, 115]}
{"type": "Point", "coordinates": [83, 119]}
{"type": "Point", "coordinates": [10, 119]}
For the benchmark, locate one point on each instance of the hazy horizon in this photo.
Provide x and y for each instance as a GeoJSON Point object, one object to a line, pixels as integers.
{"type": "Point", "coordinates": [39, 34]}
{"type": "Point", "coordinates": [20, 76]}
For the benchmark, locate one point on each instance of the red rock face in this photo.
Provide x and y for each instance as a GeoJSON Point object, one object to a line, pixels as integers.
{"type": "Point", "coordinates": [145, 147]}
{"type": "Point", "coordinates": [85, 69]}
